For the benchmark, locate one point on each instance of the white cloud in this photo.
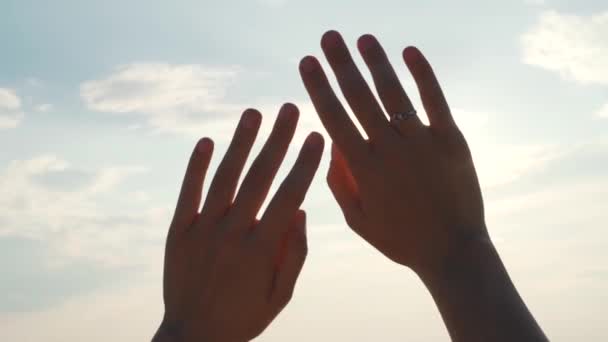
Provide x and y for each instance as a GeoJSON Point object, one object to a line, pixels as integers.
{"type": "Point", "coordinates": [502, 164]}
{"type": "Point", "coordinates": [44, 108]}
{"type": "Point", "coordinates": [499, 164]}
{"type": "Point", "coordinates": [172, 98]}
{"type": "Point", "coordinates": [79, 213]}
{"type": "Point", "coordinates": [11, 112]}
{"type": "Point", "coordinates": [574, 46]}
{"type": "Point", "coordinates": [179, 99]}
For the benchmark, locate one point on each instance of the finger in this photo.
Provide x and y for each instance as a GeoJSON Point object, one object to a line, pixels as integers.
{"type": "Point", "coordinates": [353, 85]}
{"type": "Point", "coordinates": [345, 191]}
{"type": "Point", "coordinates": [432, 97]}
{"type": "Point", "coordinates": [291, 192]}
{"type": "Point", "coordinates": [257, 182]}
{"type": "Point", "coordinates": [224, 184]}
{"type": "Point", "coordinates": [189, 199]}
{"type": "Point", "coordinates": [333, 116]}
{"type": "Point", "coordinates": [387, 84]}
{"type": "Point", "coordinates": [286, 275]}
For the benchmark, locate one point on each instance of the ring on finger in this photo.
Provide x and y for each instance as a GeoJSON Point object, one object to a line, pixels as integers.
{"type": "Point", "coordinates": [404, 116]}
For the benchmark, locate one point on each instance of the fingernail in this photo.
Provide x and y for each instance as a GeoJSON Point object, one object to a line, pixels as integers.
{"type": "Point", "coordinates": [309, 64]}
{"type": "Point", "coordinates": [204, 145]}
{"type": "Point", "coordinates": [366, 42]}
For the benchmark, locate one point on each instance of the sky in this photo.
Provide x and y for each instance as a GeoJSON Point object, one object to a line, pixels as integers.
{"type": "Point", "coordinates": [101, 103]}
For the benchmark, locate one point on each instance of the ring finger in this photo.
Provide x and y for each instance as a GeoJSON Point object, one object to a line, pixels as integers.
{"type": "Point", "coordinates": [391, 92]}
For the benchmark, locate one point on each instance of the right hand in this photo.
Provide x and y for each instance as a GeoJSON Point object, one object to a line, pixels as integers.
{"type": "Point", "coordinates": [410, 190]}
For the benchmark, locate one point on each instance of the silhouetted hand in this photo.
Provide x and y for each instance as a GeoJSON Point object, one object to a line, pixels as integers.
{"type": "Point", "coordinates": [410, 189]}
{"type": "Point", "coordinates": [227, 275]}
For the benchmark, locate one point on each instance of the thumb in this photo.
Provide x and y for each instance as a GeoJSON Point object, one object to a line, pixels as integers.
{"type": "Point", "coordinates": [291, 257]}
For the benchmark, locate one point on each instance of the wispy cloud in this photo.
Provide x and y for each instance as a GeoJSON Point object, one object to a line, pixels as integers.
{"type": "Point", "coordinates": [572, 179]}
{"type": "Point", "coordinates": [574, 46]}
{"type": "Point", "coordinates": [171, 98]}
{"type": "Point", "coordinates": [47, 199]}
{"type": "Point", "coordinates": [11, 112]}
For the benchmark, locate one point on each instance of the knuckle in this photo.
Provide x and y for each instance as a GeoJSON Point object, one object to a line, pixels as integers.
{"type": "Point", "coordinates": [267, 248]}
{"type": "Point", "coordinates": [263, 248]}
{"type": "Point", "coordinates": [457, 143]}
{"type": "Point", "coordinates": [229, 246]}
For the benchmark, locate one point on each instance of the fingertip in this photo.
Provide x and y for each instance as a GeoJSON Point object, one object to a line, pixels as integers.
{"type": "Point", "coordinates": [290, 107]}
{"type": "Point", "coordinates": [288, 112]}
{"type": "Point", "coordinates": [316, 139]}
{"type": "Point", "coordinates": [251, 118]}
{"type": "Point", "coordinates": [365, 42]}
{"type": "Point", "coordinates": [411, 55]}
{"type": "Point", "coordinates": [252, 111]}
{"type": "Point", "coordinates": [309, 64]}
{"type": "Point", "coordinates": [299, 232]}
{"type": "Point", "coordinates": [301, 216]}
{"type": "Point", "coordinates": [204, 146]}
{"type": "Point", "coordinates": [313, 143]}
{"type": "Point", "coordinates": [330, 39]}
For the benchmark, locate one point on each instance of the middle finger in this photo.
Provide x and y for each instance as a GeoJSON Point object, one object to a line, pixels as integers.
{"type": "Point", "coordinates": [356, 91]}
{"type": "Point", "coordinates": [387, 83]}
{"type": "Point", "coordinates": [258, 180]}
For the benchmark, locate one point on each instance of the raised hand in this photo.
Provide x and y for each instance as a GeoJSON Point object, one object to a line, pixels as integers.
{"type": "Point", "coordinates": [411, 190]}
{"type": "Point", "coordinates": [228, 275]}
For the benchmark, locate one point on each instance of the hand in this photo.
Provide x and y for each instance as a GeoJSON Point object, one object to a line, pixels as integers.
{"type": "Point", "coordinates": [410, 190]}
{"type": "Point", "coordinates": [228, 275]}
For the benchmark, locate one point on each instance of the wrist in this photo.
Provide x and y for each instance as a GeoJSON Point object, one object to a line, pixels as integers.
{"type": "Point", "coordinates": [463, 256]}
{"type": "Point", "coordinates": [171, 330]}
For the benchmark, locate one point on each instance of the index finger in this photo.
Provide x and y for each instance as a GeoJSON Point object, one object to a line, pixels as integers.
{"type": "Point", "coordinates": [331, 112]}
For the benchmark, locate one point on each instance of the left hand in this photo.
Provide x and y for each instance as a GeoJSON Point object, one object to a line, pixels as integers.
{"type": "Point", "coordinates": [228, 275]}
{"type": "Point", "coordinates": [410, 189]}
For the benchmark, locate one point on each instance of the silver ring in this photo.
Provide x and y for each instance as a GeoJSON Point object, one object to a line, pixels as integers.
{"type": "Point", "coordinates": [404, 116]}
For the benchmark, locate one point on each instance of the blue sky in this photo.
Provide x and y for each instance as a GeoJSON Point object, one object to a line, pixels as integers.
{"type": "Point", "coordinates": [102, 101]}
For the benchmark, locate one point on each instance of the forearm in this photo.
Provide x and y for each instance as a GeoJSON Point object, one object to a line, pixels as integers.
{"type": "Point", "coordinates": [477, 299]}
